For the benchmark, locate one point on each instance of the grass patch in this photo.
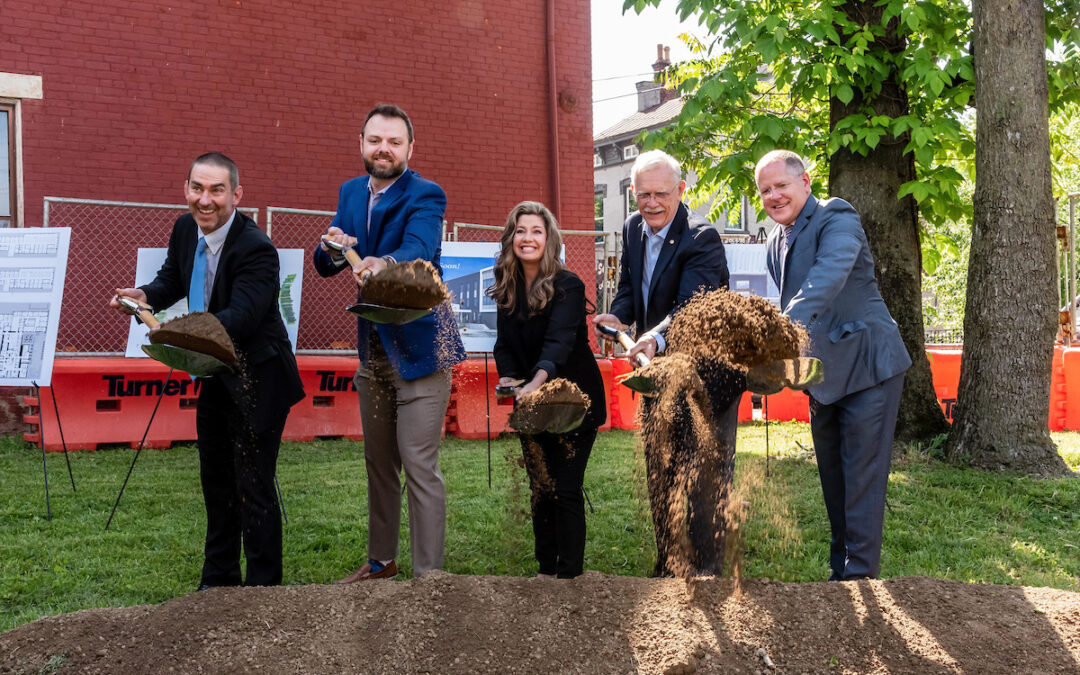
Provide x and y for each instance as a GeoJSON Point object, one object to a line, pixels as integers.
{"type": "Point", "coordinates": [943, 522]}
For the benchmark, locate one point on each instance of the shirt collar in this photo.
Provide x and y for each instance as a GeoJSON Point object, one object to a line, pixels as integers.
{"type": "Point", "coordinates": [216, 239]}
{"type": "Point", "coordinates": [381, 192]}
{"type": "Point", "coordinates": [659, 234]}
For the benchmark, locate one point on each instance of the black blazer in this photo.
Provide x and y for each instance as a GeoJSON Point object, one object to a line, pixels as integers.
{"type": "Point", "coordinates": [244, 299]}
{"type": "Point", "coordinates": [555, 340]}
{"type": "Point", "coordinates": [691, 258]}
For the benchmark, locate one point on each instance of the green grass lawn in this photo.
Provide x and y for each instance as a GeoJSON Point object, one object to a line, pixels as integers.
{"type": "Point", "coordinates": [943, 522]}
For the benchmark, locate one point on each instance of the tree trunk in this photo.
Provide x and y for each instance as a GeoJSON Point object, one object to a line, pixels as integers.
{"type": "Point", "coordinates": [871, 184]}
{"type": "Point", "coordinates": [1003, 402]}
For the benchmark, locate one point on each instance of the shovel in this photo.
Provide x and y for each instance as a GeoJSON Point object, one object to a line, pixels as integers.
{"type": "Point", "coordinates": [769, 378]}
{"type": "Point", "coordinates": [552, 418]}
{"type": "Point", "coordinates": [634, 380]}
{"type": "Point", "coordinates": [371, 312]}
{"type": "Point", "coordinates": [191, 362]}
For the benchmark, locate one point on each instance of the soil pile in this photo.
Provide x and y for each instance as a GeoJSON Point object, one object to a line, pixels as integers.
{"type": "Point", "coordinates": [443, 623]}
{"type": "Point", "coordinates": [743, 330]}
{"type": "Point", "coordinates": [200, 332]}
{"type": "Point", "coordinates": [412, 285]}
{"type": "Point", "coordinates": [552, 407]}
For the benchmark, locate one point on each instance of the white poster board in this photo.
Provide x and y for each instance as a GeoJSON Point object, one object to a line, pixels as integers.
{"type": "Point", "coordinates": [33, 265]}
{"type": "Point", "coordinates": [467, 269]}
{"type": "Point", "coordinates": [291, 278]}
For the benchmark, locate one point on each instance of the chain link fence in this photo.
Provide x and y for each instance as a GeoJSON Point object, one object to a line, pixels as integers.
{"type": "Point", "coordinates": [105, 239]}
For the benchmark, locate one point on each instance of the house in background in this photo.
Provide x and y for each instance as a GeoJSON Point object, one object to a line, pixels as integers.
{"type": "Point", "coordinates": [614, 151]}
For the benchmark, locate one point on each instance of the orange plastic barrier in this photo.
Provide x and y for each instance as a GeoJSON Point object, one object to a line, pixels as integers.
{"type": "Point", "coordinates": [330, 408]}
{"type": "Point", "coordinates": [945, 372]}
{"type": "Point", "coordinates": [1070, 366]}
{"type": "Point", "coordinates": [787, 406]}
{"type": "Point", "coordinates": [1058, 400]}
{"type": "Point", "coordinates": [474, 411]}
{"type": "Point", "coordinates": [109, 400]}
{"type": "Point", "coordinates": [622, 401]}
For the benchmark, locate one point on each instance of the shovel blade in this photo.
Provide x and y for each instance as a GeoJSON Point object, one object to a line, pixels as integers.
{"type": "Point", "coordinates": [384, 314]}
{"type": "Point", "coordinates": [642, 384]}
{"type": "Point", "coordinates": [770, 378]}
{"type": "Point", "coordinates": [191, 362]}
{"type": "Point", "coordinates": [552, 418]}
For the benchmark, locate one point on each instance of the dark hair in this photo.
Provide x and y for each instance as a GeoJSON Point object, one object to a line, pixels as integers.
{"type": "Point", "coordinates": [509, 277]}
{"type": "Point", "coordinates": [389, 110]}
{"type": "Point", "coordinates": [220, 161]}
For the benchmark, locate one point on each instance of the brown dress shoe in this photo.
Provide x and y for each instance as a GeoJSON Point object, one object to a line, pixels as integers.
{"type": "Point", "coordinates": [365, 573]}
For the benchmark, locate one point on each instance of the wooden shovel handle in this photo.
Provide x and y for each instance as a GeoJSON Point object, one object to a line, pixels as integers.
{"type": "Point", "coordinates": [627, 343]}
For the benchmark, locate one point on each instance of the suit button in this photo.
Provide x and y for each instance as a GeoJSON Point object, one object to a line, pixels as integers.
{"type": "Point", "coordinates": [813, 316]}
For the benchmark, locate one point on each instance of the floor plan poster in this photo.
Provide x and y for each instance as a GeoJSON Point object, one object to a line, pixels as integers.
{"type": "Point", "coordinates": [33, 262]}
{"type": "Point", "coordinates": [290, 276]}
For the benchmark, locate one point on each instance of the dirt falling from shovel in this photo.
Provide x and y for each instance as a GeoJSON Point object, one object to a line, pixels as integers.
{"type": "Point", "coordinates": [530, 409]}
{"type": "Point", "coordinates": [713, 339]}
{"type": "Point", "coordinates": [414, 285]}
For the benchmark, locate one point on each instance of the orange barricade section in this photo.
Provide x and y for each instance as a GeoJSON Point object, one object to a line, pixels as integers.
{"type": "Point", "coordinates": [1070, 366]}
{"type": "Point", "coordinates": [622, 401]}
{"type": "Point", "coordinates": [110, 400]}
{"type": "Point", "coordinates": [945, 373]}
{"type": "Point", "coordinates": [330, 408]}
{"type": "Point", "coordinates": [786, 406]}
{"type": "Point", "coordinates": [607, 372]}
{"type": "Point", "coordinates": [746, 407]}
{"type": "Point", "coordinates": [1058, 394]}
{"type": "Point", "coordinates": [474, 412]}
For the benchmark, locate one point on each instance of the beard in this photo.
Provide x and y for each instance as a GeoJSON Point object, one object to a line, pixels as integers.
{"type": "Point", "coordinates": [392, 171]}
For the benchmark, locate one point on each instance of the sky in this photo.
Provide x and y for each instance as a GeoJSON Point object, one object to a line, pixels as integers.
{"type": "Point", "coordinates": [623, 51]}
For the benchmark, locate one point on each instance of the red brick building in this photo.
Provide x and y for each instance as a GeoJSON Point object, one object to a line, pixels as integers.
{"type": "Point", "coordinates": [130, 92]}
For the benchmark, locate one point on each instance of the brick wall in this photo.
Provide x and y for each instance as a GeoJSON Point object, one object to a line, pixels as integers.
{"type": "Point", "coordinates": [134, 90]}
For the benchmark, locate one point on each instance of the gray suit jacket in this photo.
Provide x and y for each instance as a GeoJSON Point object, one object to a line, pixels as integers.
{"type": "Point", "coordinates": [827, 284]}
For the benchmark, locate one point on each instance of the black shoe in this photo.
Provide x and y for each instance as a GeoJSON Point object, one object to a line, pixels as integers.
{"type": "Point", "coordinates": [204, 587]}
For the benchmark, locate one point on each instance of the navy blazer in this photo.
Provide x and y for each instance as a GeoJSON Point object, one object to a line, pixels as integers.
{"type": "Point", "coordinates": [691, 259]}
{"type": "Point", "coordinates": [827, 284]}
{"type": "Point", "coordinates": [406, 224]}
{"type": "Point", "coordinates": [245, 300]}
{"type": "Point", "coordinates": [555, 340]}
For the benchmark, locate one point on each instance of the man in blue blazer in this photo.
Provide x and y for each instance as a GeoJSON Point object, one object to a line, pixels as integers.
{"type": "Point", "coordinates": [668, 255]}
{"type": "Point", "coordinates": [240, 416]}
{"type": "Point", "coordinates": [403, 382]}
{"type": "Point", "coordinates": [821, 262]}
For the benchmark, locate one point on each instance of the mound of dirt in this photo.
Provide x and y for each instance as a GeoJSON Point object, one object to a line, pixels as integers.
{"type": "Point", "coordinates": [200, 332]}
{"type": "Point", "coordinates": [413, 285]}
{"type": "Point", "coordinates": [442, 623]}
{"type": "Point", "coordinates": [743, 330]}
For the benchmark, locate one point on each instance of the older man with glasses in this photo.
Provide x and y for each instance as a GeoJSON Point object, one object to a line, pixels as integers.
{"type": "Point", "coordinates": [669, 254]}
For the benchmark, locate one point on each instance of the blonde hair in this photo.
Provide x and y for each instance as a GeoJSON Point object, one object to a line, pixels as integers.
{"type": "Point", "coordinates": [509, 276]}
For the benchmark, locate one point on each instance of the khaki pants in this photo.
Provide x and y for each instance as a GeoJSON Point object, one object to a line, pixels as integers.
{"type": "Point", "coordinates": [403, 422]}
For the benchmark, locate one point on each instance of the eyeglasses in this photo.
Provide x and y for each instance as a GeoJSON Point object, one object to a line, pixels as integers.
{"type": "Point", "coordinates": [643, 197]}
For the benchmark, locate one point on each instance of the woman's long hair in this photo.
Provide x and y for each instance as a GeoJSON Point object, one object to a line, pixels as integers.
{"type": "Point", "coordinates": [509, 277]}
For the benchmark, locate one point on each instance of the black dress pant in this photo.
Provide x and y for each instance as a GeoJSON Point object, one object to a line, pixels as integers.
{"type": "Point", "coordinates": [237, 468]}
{"type": "Point", "coordinates": [556, 467]}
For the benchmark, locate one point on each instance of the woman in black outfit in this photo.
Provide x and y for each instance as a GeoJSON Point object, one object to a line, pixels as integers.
{"type": "Point", "coordinates": [542, 335]}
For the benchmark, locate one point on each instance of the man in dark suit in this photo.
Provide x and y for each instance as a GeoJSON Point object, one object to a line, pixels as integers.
{"type": "Point", "coordinates": [240, 416]}
{"type": "Point", "coordinates": [821, 262]}
{"type": "Point", "coordinates": [668, 255]}
{"type": "Point", "coordinates": [403, 382]}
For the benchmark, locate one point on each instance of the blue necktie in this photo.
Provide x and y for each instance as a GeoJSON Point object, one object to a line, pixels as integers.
{"type": "Point", "coordinates": [196, 303]}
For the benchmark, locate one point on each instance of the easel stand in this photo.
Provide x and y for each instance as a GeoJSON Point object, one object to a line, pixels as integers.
{"type": "Point", "coordinates": [138, 450]}
{"type": "Point", "coordinates": [63, 444]}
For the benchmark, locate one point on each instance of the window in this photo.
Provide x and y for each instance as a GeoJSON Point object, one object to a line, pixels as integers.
{"type": "Point", "coordinates": [597, 160]}
{"type": "Point", "coordinates": [7, 165]}
{"type": "Point", "coordinates": [629, 202]}
{"type": "Point", "coordinates": [629, 152]}
{"type": "Point", "coordinates": [600, 192]}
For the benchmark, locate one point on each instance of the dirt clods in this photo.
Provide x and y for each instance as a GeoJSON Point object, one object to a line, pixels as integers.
{"type": "Point", "coordinates": [200, 332]}
{"type": "Point", "coordinates": [413, 285]}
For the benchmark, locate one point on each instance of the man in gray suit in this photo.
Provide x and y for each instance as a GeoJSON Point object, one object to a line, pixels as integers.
{"type": "Point", "coordinates": [820, 261]}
